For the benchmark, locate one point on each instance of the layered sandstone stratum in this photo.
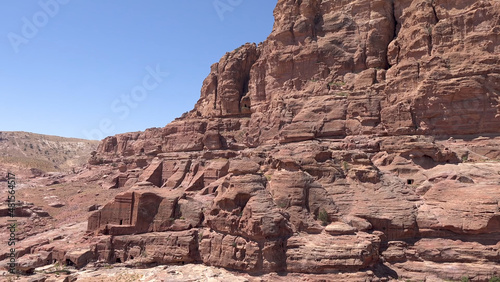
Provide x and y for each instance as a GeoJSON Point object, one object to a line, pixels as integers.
{"type": "Point", "coordinates": [359, 142]}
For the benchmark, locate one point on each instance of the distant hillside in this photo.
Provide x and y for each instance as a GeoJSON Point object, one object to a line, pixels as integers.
{"type": "Point", "coordinates": [44, 152]}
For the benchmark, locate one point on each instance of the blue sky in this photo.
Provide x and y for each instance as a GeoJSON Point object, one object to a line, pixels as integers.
{"type": "Point", "coordinates": [93, 68]}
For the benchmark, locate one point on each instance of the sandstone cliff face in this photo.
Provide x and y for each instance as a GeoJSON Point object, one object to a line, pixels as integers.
{"type": "Point", "coordinates": [348, 141]}
{"type": "Point", "coordinates": [341, 68]}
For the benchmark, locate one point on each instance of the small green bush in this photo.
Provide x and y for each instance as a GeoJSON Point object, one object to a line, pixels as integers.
{"type": "Point", "coordinates": [323, 217]}
{"type": "Point", "coordinates": [282, 203]}
{"type": "Point", "coordinates": [337, 83]}
{"type": "Point", "coordinates": [345, 165]}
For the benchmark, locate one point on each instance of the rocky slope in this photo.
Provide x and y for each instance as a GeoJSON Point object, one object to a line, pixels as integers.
{"type": "Point", "coordinates": [360, 139]}
{"type": "Point", "coordinates": [46, 153]}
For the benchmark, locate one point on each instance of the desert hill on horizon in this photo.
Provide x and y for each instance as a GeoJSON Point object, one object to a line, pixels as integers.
{"type": "Point", "coordinates": [48, 153]}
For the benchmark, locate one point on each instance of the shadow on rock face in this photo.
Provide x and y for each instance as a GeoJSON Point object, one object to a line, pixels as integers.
{"type": "Point", "coordinates": [381, 270]}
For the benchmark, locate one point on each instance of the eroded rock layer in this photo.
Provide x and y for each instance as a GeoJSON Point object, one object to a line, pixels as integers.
{"type": "Point", "coordinates": [361, 137]}
{"type": "Point", "coordinates": [332, 69]}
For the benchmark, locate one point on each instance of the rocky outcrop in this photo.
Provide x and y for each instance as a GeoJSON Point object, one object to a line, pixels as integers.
{"type": "Point", "coordinates": [224, 91]}
{"type": "Point", "coordinates": [325, 253]}
{"type": "Point", "coordinates": [316, 207]}
{"type": "Point", "coordinates": [161, 248]}
{"type": "Point", "coordinates": [335, 69]}
{"type": "Point", "coordinates": [361, 135]}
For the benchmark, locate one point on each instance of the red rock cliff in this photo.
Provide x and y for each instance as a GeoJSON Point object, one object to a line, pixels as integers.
{"type": "Point", "coordinates": [360, 137]}
{"type": "Point", "coordinates": [340, 68]}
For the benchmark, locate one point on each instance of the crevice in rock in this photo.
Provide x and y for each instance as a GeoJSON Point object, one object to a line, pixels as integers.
{"type": "Point", "coordinates": [434, 12]}
{"type": "Point", "coordinates": [176, 211]}
{"type": "Point", "coordinates": [364, 54]}
{"type": "Point", "coordinates": [235, 249]}
{"type": "Point", "coordinates": [317, 23]}
{"type": "Point", "coordinates": [399, 52]}
{"type": "Point", "coordinates": [318, 19]}
{"type": "Point", "coordinates": [413, 118]}
{"type": "Point", "coordinates": [111, 252]}
{"type": "Point", "coordinates": [132, 205]}
{"type": "Point", "coordinates": [202, 219]}
{"type": "Point", "coordinates": [243, 93]}
{"type": "Point", "coordinates": [430, 28]}
{"type": "Point", "coordinates": [215, 94]}
{"type": "Point", "coordinates": [394, 21]}
{"type": "Point", "coordinates": [429, 41]}
{"type": "Point", "coordinates": [244, 89]}
{"type": "Point", "coordinates": [394, 36]}
{"type": "Point", "coordinates": [260, 260]}
{"type": "Point", "coordinates": [306, 198]}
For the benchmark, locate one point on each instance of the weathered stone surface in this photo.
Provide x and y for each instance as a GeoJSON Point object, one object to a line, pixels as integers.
{"type": "Point", "coordinates": [238, 167]}
{"type": "Point", "coordinates": [339, 228]}
{"type": "Point", "coordinates": [153, 173]}
{"type": "Point", "coordinates": [228, 82]}
{"type": "Point", "coordinates": [161, 248]}
{"type": "Point", "coordinates": [230, 252]}
{"type": "Point", "coordinates": [377, 119]}
{"type": "Point", "coordinates": [245, 208]}
{"type": "Point", "coordinates": [28, 263]}
{"type": "Point", "coordinates": [324, 253]}
{"type": "Point", "coordinates": [57, 204]}
{"type": "Point", "coordinates": [79, 258]}
{"type": "Point", "coordinates": [302, 198]}
{"type": "Point", "coordinates": [460, 208]}
{"type": "Point", "coordinates": [335, 68]}
{"type": "Point", "coordinates": [139, 211]}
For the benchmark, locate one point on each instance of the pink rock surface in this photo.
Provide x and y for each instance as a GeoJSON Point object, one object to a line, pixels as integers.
{"type": "Point", "coordinates": [361, 136]}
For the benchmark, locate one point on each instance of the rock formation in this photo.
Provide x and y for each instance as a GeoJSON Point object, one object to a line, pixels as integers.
{"type": "Point", "coordinates": [327, 148]}
{"type": "Point", "coordinates": [361, 137]}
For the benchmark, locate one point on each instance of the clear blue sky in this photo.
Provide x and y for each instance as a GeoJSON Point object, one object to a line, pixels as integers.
{"type": "Point", "coordinates": [83, 68]}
